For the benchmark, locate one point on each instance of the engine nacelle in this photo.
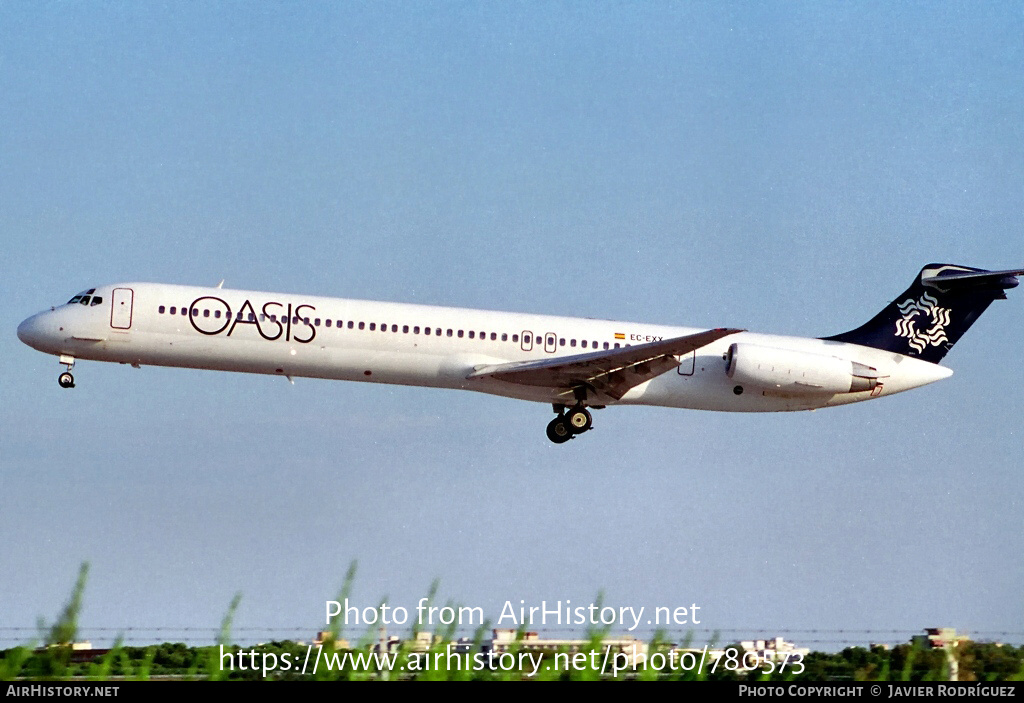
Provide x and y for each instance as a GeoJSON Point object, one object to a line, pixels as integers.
{"type": "Point", "coordinates": [797, 372]}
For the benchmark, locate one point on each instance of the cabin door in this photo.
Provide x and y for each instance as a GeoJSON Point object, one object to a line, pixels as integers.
{"type": "Point", "coordinates": [121, 309]}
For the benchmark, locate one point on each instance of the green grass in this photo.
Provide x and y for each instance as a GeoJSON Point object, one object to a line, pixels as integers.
{"type": "Point", "coordinates": [52, 660]}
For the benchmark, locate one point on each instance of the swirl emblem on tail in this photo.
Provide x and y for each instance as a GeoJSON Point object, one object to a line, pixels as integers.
{"type": "Point", "coordinates": [915, 312]}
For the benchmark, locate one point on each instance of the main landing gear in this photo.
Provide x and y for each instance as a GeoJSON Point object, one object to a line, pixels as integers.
{"type": "Point", "coordinates": [66, 380]}
{"type": "Point", "coordinates": [569, 423]}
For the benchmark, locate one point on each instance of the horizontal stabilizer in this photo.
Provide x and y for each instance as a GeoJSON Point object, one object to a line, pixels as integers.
{"type": "Point", "coordinates": [951, 277]}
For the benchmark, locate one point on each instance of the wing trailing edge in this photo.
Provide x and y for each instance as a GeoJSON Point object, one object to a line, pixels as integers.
{"type": "Point", "coordinates": [608, 374]}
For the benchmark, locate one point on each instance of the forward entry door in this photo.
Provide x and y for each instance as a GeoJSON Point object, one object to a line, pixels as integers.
{"type": "Point", "coordinates": [121, 309]}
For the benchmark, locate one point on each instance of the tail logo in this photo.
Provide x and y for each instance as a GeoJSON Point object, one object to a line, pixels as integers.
{"type": "Point", "coordinates": [926, 307]}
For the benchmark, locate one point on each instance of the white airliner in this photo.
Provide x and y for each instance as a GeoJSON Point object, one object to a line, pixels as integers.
{"type": "Point", "coordinates": [571, 363]}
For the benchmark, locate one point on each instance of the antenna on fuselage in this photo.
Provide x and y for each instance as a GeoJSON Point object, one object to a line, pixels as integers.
{"type": "Point", "coordinates": [221, 284]}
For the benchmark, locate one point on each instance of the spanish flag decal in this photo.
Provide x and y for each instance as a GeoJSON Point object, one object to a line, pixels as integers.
{"type": "Point", "coordinates": [620, 335]}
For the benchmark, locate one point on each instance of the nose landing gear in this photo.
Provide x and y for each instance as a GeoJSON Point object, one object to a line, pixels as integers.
{"type": "Point", "coordinates": [66, 380]}
{"type": "Point", "coordinates": [569, 423]}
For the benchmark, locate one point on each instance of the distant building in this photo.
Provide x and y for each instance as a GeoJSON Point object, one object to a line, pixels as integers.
{"type": "Point", "coordinates": [324, 635]}
{"type": "Point", "coordinates": [424, 641]}
{"type": "Point", "coordinates": [943, 638]}
{"type": "Point", "coordinates": [504, 639]}
{"type": "Point", "coordinates": [775, 650]}
{"type": "Point", "coordinates": [940, 638]}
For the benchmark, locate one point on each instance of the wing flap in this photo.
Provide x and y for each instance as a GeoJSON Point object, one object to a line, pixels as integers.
{"type": "Point", "coordinates": [609, 373]}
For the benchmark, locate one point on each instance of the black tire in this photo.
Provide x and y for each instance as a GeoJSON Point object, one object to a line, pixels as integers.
{"type": "Point", "coordinates": [559, 430]}
{"type": "Point", "coordinates": [66, 380]}
{"type": "Point", "coordinates": [579, 420]}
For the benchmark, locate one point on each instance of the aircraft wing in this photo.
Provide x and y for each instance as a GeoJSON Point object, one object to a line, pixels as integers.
{"type": "Point", "coordinates": [607, 373]}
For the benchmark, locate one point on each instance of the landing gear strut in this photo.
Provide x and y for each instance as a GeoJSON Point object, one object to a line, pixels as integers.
{"type": "Point", "coordinates": [569, 423]}
{"type": "Point", "coordinates": [66, 380]}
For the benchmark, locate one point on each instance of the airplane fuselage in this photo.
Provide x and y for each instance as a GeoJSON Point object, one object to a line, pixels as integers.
{"type": "Point", "coordinates": [418, 345]}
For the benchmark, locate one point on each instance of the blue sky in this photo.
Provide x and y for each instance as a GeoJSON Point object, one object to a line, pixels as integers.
{"type": "Point", "coordinates": [781, 167]}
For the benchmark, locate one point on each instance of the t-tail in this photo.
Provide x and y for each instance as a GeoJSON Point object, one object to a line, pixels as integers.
{"type": "Point", "coordinates": [934, 313]}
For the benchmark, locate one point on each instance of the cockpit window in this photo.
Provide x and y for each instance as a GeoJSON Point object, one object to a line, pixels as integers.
{"type": "Point", "coordinates": [84, 294]}
{"type": "Point", "coordinates": [96, 300]}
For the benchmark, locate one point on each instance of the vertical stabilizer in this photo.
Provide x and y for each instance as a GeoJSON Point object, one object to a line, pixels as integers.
{"type": "Point", "coordinates": [929, 317]}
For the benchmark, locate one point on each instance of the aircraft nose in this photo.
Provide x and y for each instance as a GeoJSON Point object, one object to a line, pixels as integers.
{"type": "Point", "coordinates": [31, 331]}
